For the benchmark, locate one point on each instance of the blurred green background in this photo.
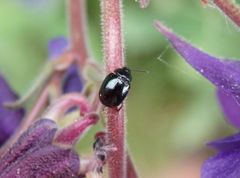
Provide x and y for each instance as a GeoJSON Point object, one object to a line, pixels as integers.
{"type": "Point", "coordinates": [172, 111]}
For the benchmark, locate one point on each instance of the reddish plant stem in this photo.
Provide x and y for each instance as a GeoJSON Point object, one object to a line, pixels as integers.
{"type": "Point", "coordinates": [69, 135]}
{"type": "Point", "coordinates": [54, 86]}
{"type": "Point", "coordinates": [66, 102]}
{"type": "Point", "coordinates": [116, 136]}
{"type": "Point", "coordinates": [131, 171]}
{"type": "Point", "coordinates": [112, 34]}
{"type": "Point", "coordinates": [114, 58]}
{"type": "Point", "coordinates": [230, 8]}
{"type": "Point", "coordinates": [77, 15]}
{"type": "Point", "coordinates": [36, 110]}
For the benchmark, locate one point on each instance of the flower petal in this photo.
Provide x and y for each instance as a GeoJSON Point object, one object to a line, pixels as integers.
{"type": "Point", "coordinates": [40, 134]}
{"type": "Point", "coordinates": [9, 119]}
{"type": "Point", "coordinates": [223, 165]}
{"type": "Point", "coordinates": [228, 143]}
{"type": "Point", "coordinates": [221, 73]}
{"type": "Point", "coordinates": [230, 108]}
{"type": "Point", "coordinates": [47, 162]}
{"type": "Point", "coordinates": [56, 47]}
{"type": "Point", "coordinates": [72, 81]}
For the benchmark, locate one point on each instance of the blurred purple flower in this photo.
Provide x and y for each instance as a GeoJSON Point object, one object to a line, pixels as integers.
{"type": "Point", "coordinates": [57, 46]}
{"type": "Point", "coordinates": [72, 80]}
{"type": "Point", "coordinates": [225, 75]}
{"type": "Point", "coordinates": [9, 119]}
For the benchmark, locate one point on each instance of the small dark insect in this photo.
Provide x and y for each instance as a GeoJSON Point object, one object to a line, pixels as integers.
{"type": "Point", "coordinates": [115, 87]}
{"type": "Point", "coordinates": [98, 146]}
{"type": "Point", "coordinates": [100, 149]}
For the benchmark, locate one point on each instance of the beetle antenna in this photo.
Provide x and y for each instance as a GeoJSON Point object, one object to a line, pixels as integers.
{"type": "Point", "coordinates": [139, 70]}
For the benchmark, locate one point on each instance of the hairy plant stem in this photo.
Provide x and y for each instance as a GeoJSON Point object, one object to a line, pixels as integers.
{"type": "Point", "coordinates": [114, 58]}
{"type": "Point", "coordinates": [77, 15]}
{"type": "Point", "coordinates": [230, 8]}
{"type": "Point", "coordinates": [112, 34]}
{"type": "Point", "coordinates": [131, 171]}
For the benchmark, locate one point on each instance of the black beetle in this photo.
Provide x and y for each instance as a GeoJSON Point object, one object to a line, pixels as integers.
{"type": "Point", "coordinates": [115, 87]}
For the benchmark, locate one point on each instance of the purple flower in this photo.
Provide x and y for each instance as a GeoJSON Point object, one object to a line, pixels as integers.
{"type": "Point", "coordinates": [34, 155]}
{"type": "Point", "coordinates": [226, 163]}
{"type": "Point", "coordinates": [45, 151]}
{"type": "Point", "coordinates": [56, 47]}
{"type": "Point", "coordinates": [9, 119]}
{"type": "Point", "coordinates": [72, 80]}
{"type": "Point", "coordinates": [230, 108]}
{"type": "Point", "coordinates": [225, 75]}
